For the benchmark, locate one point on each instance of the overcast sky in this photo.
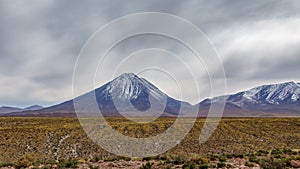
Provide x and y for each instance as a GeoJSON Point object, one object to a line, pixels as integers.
{"type": "Point", "coordinates": [258, 43]}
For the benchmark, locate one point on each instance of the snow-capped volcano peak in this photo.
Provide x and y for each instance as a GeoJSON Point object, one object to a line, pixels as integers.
{"type": "Point", "coordinates": [128, 89]}
{"type": "Point", "coordinates": [124, 86]}
{"type": "Point", "coordinates": [130, 86]}
{"type": "Point", "coordinates": [126, 77]}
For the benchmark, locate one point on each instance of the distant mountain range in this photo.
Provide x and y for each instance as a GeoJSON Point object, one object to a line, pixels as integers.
{"type": "Point", "coordinates": [267, 100]}
{"type": "Point", "coordinates": [7, 109]}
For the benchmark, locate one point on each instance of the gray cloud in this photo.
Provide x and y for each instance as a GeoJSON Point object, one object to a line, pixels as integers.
{"type": "Point", "coordinates": [258, 42]}
{"type": "Point", "coordinates": [260, 52]}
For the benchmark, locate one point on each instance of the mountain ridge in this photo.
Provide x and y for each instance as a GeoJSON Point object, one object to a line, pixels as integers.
{"type": "Point", "coordinates": [10, 109]}
{"type": "Point", "coordinates": [281, 98]}
{"type": "Point", "coordinates": [115, 96]}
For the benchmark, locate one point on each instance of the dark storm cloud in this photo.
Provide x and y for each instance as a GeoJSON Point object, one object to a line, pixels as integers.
{"type": "Point", "coordinates": [40, 40]}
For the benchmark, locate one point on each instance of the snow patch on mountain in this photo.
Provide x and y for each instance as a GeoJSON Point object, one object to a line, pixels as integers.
{"type": "Point", "coordinates": [272, 94]}
{"type": "Point", "coordinates": [295, 97]}
{"type": "Point", "coordinates": [129, 86]}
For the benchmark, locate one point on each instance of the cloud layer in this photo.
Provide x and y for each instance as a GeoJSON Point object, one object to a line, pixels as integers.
{"type": "Point", "coordinates": [258, 42]}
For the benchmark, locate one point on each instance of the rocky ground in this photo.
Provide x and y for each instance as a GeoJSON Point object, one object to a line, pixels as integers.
{"type": "Point", "coordinates": [234, 163]}
{"type": "Point", "coordinates": [236, 143]}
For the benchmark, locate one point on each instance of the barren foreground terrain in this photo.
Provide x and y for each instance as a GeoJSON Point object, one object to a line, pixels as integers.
{"type": "Point", "coordinates": [237, 143]}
